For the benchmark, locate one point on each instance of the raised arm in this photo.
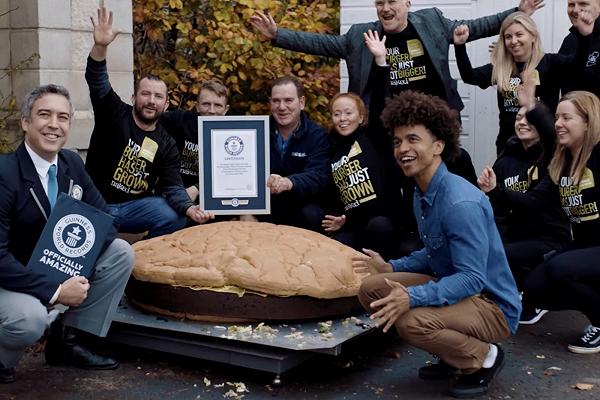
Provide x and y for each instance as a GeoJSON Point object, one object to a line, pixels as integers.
{"type": "Point", "coordinates": [481, 76]}
{"type": "Point", "coordinates": [104, 34]}
{"type": "Point", "coordinates": [311, 43]}
{"type": "Point", "coordinates": [537, 114]}
{"type": "Point", "coordinates": [96, 74]}
{"type": "Point", "coordinates": [490, 25]}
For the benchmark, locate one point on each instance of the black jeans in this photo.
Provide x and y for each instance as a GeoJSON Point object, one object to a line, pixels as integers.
{"type": "Point", "coordinates": [524, 256]}
{"type": "Point", "coordinates": [568, 281]}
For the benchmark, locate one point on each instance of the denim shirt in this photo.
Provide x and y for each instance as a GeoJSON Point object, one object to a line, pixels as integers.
{"type": "Point", "coordinates": [463, 249]}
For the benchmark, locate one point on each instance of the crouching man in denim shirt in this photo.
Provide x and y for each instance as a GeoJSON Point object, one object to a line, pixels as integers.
{"type": "Point", "coordinates": [456, 297]}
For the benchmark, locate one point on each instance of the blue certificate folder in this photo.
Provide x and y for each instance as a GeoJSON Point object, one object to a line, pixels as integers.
{"type": "Point", "coordinates": [72, 240]}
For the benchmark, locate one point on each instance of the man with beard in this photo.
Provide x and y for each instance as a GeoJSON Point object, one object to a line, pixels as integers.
{"type": "Point", "coordinates": [132, 160]}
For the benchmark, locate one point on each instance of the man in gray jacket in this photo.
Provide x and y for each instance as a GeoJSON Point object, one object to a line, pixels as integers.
{"type": "Point", "coordinates": [417, 46]}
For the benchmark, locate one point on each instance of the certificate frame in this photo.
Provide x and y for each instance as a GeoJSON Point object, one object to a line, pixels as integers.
{"type": "Point", "coordinates": [233, 165]}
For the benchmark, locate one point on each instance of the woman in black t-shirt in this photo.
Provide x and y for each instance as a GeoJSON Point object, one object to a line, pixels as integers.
{"type": "Point", "coordinates": [517, 53]}
{"type": "Point", "coordinates": [570, 280]}
{"type": "Point", "coordinates": [361, 208]}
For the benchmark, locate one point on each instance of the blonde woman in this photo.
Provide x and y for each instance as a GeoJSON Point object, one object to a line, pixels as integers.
{"type": "Point", "coordinates": [518, 53]}
{"type": "Point", "coordinates": [570, 280]}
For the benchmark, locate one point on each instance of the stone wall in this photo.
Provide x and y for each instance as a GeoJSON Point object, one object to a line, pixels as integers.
{"type": "Point", "coordinates": [60, 32]}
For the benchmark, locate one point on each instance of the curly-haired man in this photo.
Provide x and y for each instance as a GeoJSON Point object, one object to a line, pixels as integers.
{"type": "Point", "coordinates": [456, 297]}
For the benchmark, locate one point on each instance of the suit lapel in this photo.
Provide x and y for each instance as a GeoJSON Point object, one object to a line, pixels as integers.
{"type": "Point", "coordinates": [31, 176]}
{"type": "Point", "coordinates": [63, 177]}
{"type": "Point", "coordinates": [430, 43]}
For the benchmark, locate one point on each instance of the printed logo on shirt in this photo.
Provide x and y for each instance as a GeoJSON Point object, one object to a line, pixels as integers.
{"type": "Point", "coordinates": [149, 149]}
{"type": "Point", "coordinates": [403, 68]}
{"type": "Point", "coordinates": [532, 173]}
{"type": "Point", "coordinates": [592, 59]}
{"type": "Point", "coordinates": [535, 75]}
{"type": "Point", "coordinates": [515, 184]}
{"type": "Point", "coordinates": [415, 48]}
{"type": "Point", "coordinates": [509, 97]}
{"type": "Point", "coordinates": [130, 175]}
{"type": "Point", "coordinates": [572, 200]}
{"type": "Point", "coordinates": [298, 154]}
{"type": "Point", "coordinates": [352, 180]}
{"type": "Point", "coordinates": [354, 150]}
{"type": "Point", "coordinates": [189, 159]}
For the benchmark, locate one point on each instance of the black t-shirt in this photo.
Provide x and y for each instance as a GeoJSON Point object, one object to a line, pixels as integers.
{"type": "Point", "coordinates": [183, 127]}
{"type": "Point", "coordinates": [580, 202]}
{"type": "Point", "coordinates": [125, 162]}
{"type": "Point", "coordinates": [410, 65]}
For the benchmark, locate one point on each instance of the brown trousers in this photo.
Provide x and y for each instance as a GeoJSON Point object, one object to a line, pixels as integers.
{"type": "Point", "coordinates": [459, 334]}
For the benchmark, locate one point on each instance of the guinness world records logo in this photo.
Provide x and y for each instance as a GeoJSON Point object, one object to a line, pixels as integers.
{"type": "Point", "coordinates": [74, 235]}
{"type": "Point", "coordinates": [234, 145]}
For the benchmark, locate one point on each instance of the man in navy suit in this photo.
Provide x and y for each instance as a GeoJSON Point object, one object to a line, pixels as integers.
{"type": "Point", "coordinates": [25, 295]}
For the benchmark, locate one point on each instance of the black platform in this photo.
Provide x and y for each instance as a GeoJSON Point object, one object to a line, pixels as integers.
{"type": "Point", "coordinates": [273, 348]}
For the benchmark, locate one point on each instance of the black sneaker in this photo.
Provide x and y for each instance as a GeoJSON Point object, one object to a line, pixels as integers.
{"type": "Point", "coordinates": [478, 383]}
{"type": "Point", "coordinates": [531, 316]}
{"type": "Point", "coordinates": [437, 371]}
{"type": "Point", "coordinates": [587, 344]}
{"type": "Point", "coordinates": [7, 375]}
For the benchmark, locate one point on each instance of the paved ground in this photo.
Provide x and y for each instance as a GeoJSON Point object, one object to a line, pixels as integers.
{"type": "Point", "coordinates": [376, 367]}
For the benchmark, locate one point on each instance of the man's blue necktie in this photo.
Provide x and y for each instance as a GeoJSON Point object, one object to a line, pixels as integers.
{"type": "Point", "coordinates": [52, 185]}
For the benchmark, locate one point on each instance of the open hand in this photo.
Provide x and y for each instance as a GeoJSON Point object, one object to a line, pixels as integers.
{"type": "Point", "coordinates": [370, 262]}
{"type": "Point", "coordinates": [265, 24]}
{"type": "Point", "coordinates": [391, 307]}
{"type": "Point", "coordinates": [376, 46]}
{"type": "Point", "coordinates": [103, 31]}
{"type": "Point", "coordinates": [530, 6]}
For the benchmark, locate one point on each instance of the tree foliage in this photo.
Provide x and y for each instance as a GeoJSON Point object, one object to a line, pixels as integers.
{"type": "Point", "coordinates": [9, 133]}
{"type": "Point", "coordinates": [186, 42]}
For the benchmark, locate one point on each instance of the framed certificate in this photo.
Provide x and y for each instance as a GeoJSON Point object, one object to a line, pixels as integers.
{"type": "Point", "coordinates": [234, 164]}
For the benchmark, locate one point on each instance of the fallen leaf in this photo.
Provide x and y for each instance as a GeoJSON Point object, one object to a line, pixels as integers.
{"type": "Point", "coordinates": [551, 371]}
{"type": "Point", "coordinates": [583, 386]}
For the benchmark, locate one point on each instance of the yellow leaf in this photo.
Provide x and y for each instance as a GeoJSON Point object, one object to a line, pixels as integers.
{"type": "Point", "coordinates": [176, 4]}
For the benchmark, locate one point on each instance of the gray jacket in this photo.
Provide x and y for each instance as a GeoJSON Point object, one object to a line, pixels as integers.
{"type": "Point", "coordinates": [433, 28]}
